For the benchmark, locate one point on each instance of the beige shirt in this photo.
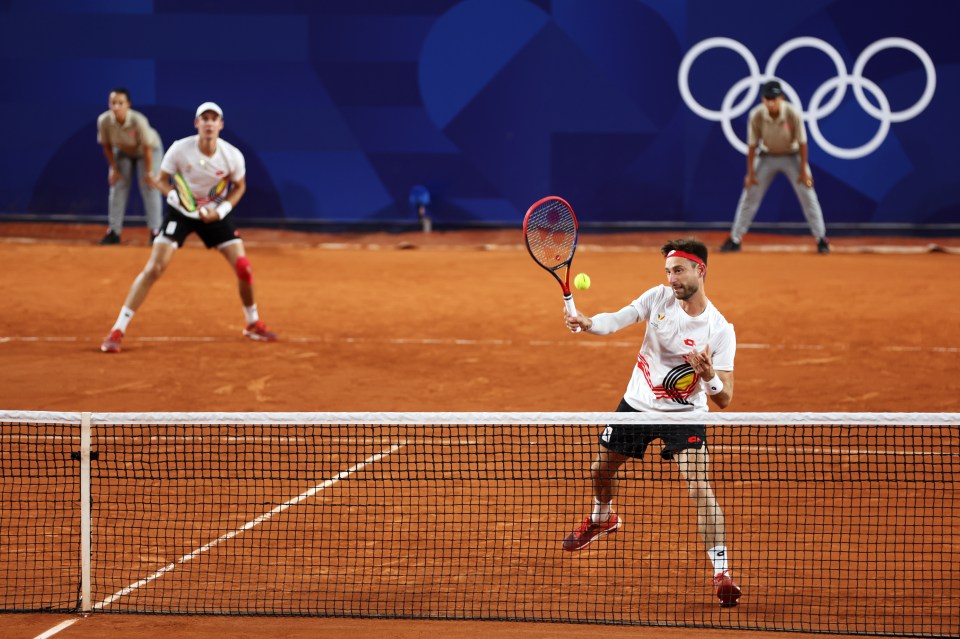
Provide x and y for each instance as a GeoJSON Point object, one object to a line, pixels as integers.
{"type": "Point", "coordinates": [131, 136]}
{"type": "Point", "coordinates": [776, 136]}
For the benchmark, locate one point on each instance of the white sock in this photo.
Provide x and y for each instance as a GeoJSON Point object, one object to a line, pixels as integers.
{"type": "Point", "coordinates": [123, 319]}
{"type": "Point", "coordinates": [601, 511]}
{"type": "Point", "coordinates": [718, 557]}
{"type": "Point", "coordinates": [250, 312]}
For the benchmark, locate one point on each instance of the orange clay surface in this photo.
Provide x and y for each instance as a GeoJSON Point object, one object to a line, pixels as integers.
{"type": "Point", "coordinates": [450, 321]}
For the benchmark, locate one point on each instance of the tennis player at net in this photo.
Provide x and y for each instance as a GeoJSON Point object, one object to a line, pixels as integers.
{"type": "Point", "coordinates": [686, 358]}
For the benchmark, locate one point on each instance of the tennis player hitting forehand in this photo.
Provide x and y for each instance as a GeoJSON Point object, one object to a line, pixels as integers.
{"type": "Point", "coordinates": [686, 358]}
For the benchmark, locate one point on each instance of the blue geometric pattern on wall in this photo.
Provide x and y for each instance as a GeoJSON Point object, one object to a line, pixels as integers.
{"type": "Point", "coordinates": [342, 107]}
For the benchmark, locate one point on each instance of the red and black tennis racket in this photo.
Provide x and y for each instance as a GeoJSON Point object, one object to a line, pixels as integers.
{"type": "Point", "coordinates": [550, 231]}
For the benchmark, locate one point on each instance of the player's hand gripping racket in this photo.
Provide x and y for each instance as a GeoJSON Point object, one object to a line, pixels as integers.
{"type": "Point", "coordinates": [182, 195]}
{"type": "Point", "coordinates": [550, 231]}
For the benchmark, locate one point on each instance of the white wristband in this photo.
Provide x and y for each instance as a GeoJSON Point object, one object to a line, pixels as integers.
{"type": "Point", "coordinates": [713, 386]}
{"type": "Point", "coordinates": [224, 208]}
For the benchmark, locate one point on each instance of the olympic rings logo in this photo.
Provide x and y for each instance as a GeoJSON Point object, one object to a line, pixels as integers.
{"type": "Point", "coordinates": [816, 110]}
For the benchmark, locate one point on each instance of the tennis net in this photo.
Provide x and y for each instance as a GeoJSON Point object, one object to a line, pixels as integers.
{"type": "Point", "coordinates": [838, 523]}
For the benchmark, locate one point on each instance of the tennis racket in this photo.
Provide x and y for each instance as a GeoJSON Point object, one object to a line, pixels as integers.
{"type": "Point", "coordinates": [184, 193]}
{"type": "Point", "coordinates": [550, 231]}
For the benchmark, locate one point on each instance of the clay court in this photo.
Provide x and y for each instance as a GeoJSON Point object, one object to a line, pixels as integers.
{"type": "Point", "coordinates": [450, 321]}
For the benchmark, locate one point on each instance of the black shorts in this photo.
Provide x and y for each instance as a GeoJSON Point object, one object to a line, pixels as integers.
{"type": "Point", "coordinates": [632, 441]}
{"type": "Point", "coordinates": [177, 226]}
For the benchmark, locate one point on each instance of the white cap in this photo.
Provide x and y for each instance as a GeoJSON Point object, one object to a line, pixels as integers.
{"type": "Point", "coordinates": [209, 106]}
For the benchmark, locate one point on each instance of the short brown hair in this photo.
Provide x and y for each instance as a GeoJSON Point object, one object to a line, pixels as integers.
{"type": "Point", "coordinates": [687, 245]}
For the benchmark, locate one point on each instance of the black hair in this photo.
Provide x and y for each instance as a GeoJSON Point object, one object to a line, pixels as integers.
{"type": "Point", "coordinates": [124, 91]}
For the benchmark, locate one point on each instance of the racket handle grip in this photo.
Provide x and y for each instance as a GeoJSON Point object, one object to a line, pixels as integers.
{"type": "Point", "coordinates": [570, 307]}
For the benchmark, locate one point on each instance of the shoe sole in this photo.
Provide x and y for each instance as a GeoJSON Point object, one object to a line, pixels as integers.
{"type": "Point", "coordinates": [608, 531]}
{"type": "Point", "coordinates": [110, 349]}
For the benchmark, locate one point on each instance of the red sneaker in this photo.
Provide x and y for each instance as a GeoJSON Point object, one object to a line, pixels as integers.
{"type": "Point", "coordinates": [728, 592]}
{"type": "Point", "coordinates": [111, 343]}
{"type": "Point", "coordinates": [588, 531]}
{"type": "Point", "coordinates": [259, 332]}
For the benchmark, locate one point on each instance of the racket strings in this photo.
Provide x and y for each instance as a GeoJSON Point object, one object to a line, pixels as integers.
{"type": "Point", "coordinates": [552, 234]}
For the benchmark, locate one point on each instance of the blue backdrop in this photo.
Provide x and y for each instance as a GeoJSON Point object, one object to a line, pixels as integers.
{"type": "Point", "coordinates": [634, 110]}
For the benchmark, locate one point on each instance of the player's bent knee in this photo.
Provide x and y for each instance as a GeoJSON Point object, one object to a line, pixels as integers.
{"type": "Point", "coordinates": [244, 270]}
{"type": "Point", "coordinates": [154, 270]}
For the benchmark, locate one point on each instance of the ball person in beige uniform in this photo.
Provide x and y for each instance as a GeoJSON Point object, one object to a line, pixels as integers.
{"type": "Point", "coordinates": [128, 140]}
{"type": "Point", "coordinates": [776, 127]}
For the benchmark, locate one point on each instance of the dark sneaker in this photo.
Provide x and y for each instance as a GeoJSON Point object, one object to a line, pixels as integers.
{"type": "Point", "coordinates": [730, 246]}
{"type": "Point", "coordinates": [111, 343]}
{"type": "Point", "coordinates": [588, 531]}
{"type": "Point", "coordinates": [109, 238]}
{"type": "Point", "coordinates": [823, 246]}
{"type": "Point", "coordinates": [259, 332]}
{"type": "Point", "coordinates": [728, 592]}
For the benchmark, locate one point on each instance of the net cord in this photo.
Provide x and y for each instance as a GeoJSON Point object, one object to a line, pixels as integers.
{"type": "Point", "coordinates": [470, 418]}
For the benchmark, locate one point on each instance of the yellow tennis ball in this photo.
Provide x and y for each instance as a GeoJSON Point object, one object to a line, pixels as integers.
{"type": "Point", "coordinates": [582, 281]}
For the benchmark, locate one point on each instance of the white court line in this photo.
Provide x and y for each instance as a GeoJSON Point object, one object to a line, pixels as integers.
{"type": "Point", "coordinates": [454, 341]}
{"type": "Point", "coordinates": [57, 628]}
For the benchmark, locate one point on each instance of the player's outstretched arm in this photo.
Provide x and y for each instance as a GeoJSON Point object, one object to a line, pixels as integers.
{"type": "Point", "coordinates": [607, 323]}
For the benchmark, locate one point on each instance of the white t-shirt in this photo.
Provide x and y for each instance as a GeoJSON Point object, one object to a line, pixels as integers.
{"type": "Point", "coordinates": [209, 178]}
{"type": "Point", "coordinates": [662, 380]}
